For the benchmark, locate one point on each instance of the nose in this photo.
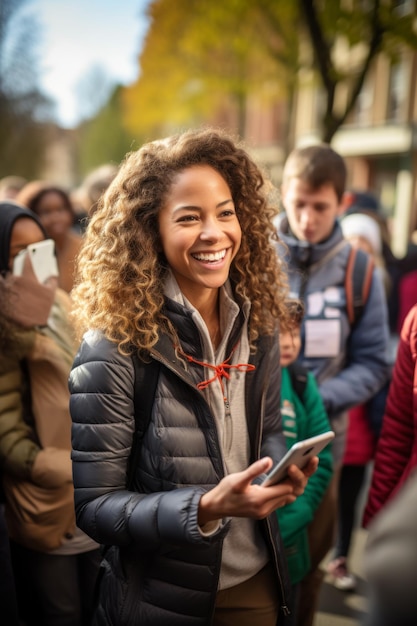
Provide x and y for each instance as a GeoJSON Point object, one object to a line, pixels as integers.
{"type": "Point", "coordinates": [307, 216]}
{"type": "Point", "coordinates": [210, 230]}
{"type": "Point", "coordinates": [285, 343]}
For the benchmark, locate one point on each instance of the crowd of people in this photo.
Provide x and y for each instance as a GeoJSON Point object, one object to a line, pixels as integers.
{"type": "Point", "coordinates": [194, 331]}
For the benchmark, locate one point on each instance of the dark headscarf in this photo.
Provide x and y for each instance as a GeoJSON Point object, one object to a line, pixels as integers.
{"type": "Point", "coordinates": [9, 213]}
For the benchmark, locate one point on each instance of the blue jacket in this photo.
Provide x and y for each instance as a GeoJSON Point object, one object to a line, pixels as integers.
{"type": "Point", "coordinates": [350, 364]}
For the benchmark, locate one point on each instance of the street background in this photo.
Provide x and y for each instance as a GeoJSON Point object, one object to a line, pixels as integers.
{"type": "Point", "coordinates": [345, 608]}
{"type": "Point", "coordinates": [348, 608]}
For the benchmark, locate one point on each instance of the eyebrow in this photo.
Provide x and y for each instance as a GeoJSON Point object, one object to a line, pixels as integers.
{"type": "Point", "coordinates": [191, 207]}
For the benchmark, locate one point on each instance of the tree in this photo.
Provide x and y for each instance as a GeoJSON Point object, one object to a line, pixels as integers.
{"type": "Point", "coordinates": [380, 27]}
{"type": "Point", "coordinates": [198, 60]}
{"type": "Point", "coordinates": [202, 57]}
{"type": "Point", "coordinates": [22, 136]}
{"type": "Point", "coordinates": [103, 139]}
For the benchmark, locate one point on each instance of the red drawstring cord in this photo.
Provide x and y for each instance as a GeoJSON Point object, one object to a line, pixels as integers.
{"type": "Point", "coordinates": [220, 371]}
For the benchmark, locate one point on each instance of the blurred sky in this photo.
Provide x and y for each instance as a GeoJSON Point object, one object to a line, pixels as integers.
{"type": "Point", "coordinates": [78, 35]}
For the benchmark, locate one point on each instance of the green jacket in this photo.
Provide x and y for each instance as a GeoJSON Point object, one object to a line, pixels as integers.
{"type": "Point", "coordinates": [301, 419]}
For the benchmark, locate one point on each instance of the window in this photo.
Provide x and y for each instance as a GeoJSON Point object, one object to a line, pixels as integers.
{"type": "Point", "coordinates": [397, 91]}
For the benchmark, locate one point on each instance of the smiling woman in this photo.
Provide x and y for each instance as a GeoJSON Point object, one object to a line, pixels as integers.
{"type": "Point", "coordinates": [179, 268]}
{"type": "Point", "coordinates": [200, 235]}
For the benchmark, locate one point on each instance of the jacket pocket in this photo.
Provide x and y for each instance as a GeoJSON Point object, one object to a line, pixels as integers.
{"type": "Point", "coordinates": [37, 517]}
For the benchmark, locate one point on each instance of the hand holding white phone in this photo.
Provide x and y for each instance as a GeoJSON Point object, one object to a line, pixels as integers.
{"type": "Point", "coordinates": [42, 257]}
{"type": "Point", "coordinates": [299, 454]}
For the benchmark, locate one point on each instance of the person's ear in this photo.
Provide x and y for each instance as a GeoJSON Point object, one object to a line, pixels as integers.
{"type": "Point", "coordinates": [347, 201]}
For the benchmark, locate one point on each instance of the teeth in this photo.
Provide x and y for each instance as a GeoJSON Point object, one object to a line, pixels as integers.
{"type": "Point", "coordinates": [215, 256]}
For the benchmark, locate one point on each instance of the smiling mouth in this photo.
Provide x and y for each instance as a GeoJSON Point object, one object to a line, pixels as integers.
{"type": "Point", "coordinates": [210, 257]}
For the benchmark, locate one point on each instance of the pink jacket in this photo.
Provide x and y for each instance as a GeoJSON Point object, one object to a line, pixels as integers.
{"type": "Point", "coordinates": [396, 453]}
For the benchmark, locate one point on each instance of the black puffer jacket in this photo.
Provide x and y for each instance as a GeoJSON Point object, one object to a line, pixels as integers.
{"type": "Point", "coordinates": [160, 568]}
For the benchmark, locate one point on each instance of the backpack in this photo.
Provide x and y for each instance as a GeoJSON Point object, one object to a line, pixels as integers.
{"type": "Point", "coordinates": [358, 279]}
{"type": "Point", "coordinates": [146, 380]}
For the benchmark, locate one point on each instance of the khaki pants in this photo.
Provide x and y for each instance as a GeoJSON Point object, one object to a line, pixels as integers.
{"type": "Point", "coordinates": [253, 602]}
{"type": "Point", "coordinates": [321, 539]}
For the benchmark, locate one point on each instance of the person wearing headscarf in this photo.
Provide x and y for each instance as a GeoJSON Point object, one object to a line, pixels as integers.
{"type": "Point", "coordinates": [55, 565]}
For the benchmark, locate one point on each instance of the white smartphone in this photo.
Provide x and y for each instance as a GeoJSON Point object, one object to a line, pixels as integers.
{"type": "Point", "coordinates": [42, 257]}
{"type": "Point", "coordinates": [299, 454]}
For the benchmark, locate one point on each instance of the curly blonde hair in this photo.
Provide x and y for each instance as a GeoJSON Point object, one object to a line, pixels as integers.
{"type": "Point", "coordinates": [121, 269]}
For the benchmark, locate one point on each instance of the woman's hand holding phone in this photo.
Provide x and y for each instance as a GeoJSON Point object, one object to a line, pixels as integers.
{"type": "Point", "coordinates": [298, 454]}
{"type": "Point", "coordinates": [237, 496]}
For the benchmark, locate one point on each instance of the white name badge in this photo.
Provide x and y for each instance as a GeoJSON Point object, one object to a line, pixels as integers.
{"type": "Point", "coordinates": [315, 303]}
{"type": "Point", "coordinates": [332, 295]}
{"type": "Point", "coordinates": [322, 338]}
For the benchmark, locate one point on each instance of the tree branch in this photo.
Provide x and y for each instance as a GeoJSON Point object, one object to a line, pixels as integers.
{"type": "Point", "coordinates": [321, 48]}
{"type": "Point", "coordinates": [378, 31]}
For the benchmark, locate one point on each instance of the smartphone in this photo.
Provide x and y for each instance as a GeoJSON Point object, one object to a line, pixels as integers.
{"type": "Point", "coordinates": [299, 454]}
{"type": "Point", "coordinates": [42, 257]}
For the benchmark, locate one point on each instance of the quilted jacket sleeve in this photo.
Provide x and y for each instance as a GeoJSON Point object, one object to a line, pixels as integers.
{"type": "Point", "coordinates": [101, 405]}
{"type": "Point", "coordinates": [396, 453]}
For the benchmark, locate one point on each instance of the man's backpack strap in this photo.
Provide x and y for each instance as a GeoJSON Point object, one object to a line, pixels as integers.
{"type": "Point", "coordinates": [358, 279]}
{"type": "Point", "coordinates": [298, 376]}
{"type": "Point", "coordinates": [146, 380]}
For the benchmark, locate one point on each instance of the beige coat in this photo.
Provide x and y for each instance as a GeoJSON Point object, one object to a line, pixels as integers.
{"type": "Point", "coordinates": [35, 441]}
